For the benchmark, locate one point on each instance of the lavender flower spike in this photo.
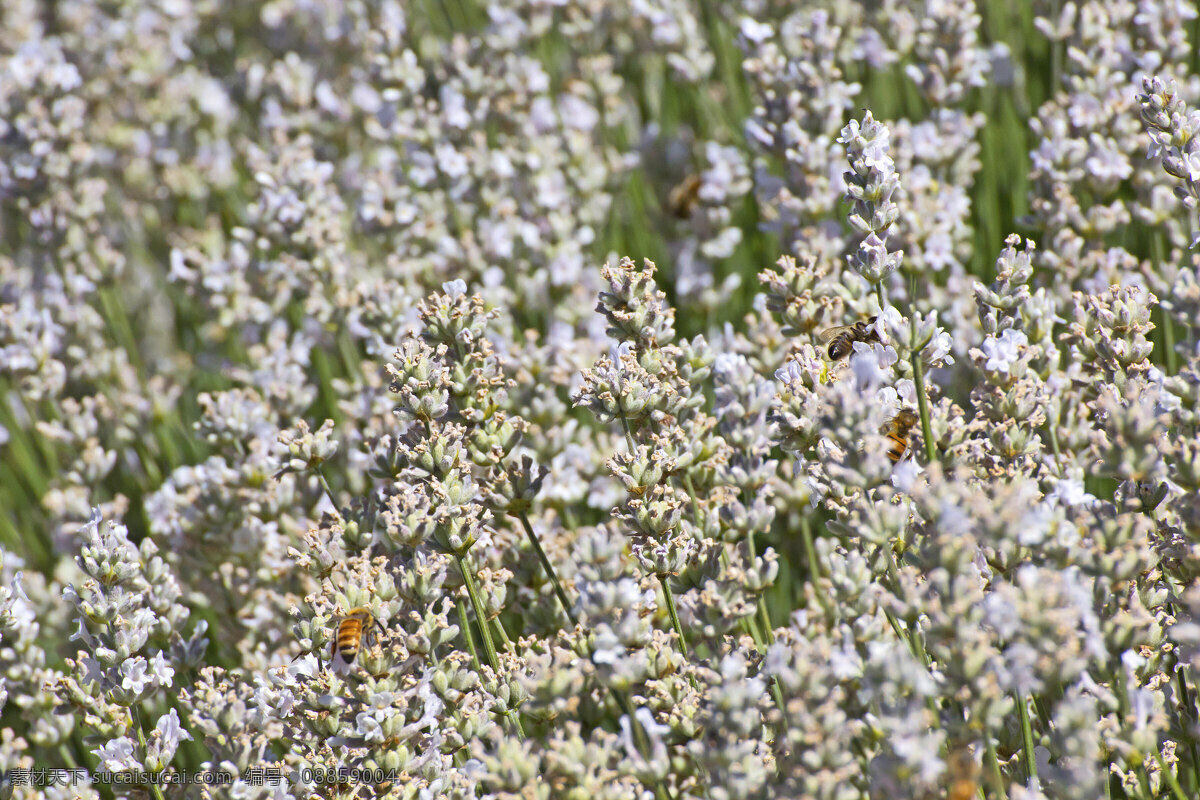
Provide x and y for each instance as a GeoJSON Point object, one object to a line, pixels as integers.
{"type": "Point", "coordinates": [1172, 128]}
{"type": "Point", "coordinates": [870, 184]}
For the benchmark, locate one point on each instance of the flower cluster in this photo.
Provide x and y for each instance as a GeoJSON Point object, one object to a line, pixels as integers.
{"type": "Point", "coordinates": [389, 408]}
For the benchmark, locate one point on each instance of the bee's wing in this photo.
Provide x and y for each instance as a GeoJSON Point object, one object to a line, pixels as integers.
{"type": "Point", "coordinates": [829, 334]}
{"type": "Point", "coordinates": [688, 186]}
{"type": "Point", "coordinates": [899, 425]}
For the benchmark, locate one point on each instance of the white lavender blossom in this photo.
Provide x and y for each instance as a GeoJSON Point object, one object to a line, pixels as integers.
{"type": "Point", "coordinates": [870, 184]}
{"type": "Point", "coordinates": [335, 464]}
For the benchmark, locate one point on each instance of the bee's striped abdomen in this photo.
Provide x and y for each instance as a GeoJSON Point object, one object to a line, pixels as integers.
{"type": "Point", "coordinates": [349, 634]}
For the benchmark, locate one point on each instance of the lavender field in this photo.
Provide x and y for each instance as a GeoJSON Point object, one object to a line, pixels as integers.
{"type": "Point", "coordinates": [600, 400]}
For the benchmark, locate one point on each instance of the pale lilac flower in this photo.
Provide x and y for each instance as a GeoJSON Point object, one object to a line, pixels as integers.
{"type": "Point", "coordinates": [164, 741]}
{"type": "Point", "coordinates": [889, 320]}
{"type": "Point", "coordinates": [20, 610]}
{"type": "Point", "coordinates": [938, 349]}
{"type": "Point", "coordinates": [1070, 492]}
{"type": "Point", "coordinates": [1003, 351]}
{"type": "Point", "coordinates": [161, 670]}
{"type": "Point", "coordinates": [134, 676]}
{"type": "Point", "coordinates": [754, 31]}
{"type": "Point", "coordinates": [799, 369]}
{"type": "Point", "coordinates": [608, 649]}
{"type": "Point", "coordinates": [117, 755]}
{"type": "Point", "coordinates": [869, 366]}
{"type": "Point", "coordinates": [308, 195]}
{"type": "Point", "coordinates": [1191, 163]}
{"type": "Point", "coordinates": [368, 727]}
{"type": "Point", "coordinates": [905, 474]}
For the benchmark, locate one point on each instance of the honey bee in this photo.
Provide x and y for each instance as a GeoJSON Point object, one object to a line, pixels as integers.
{"type": "Point", "coordinates": [350, 632]}
{"type": "Point", "coordinates": [897, 430]}
{"type": "Point", "coordinates": [963, 773]}
{"type": "Point", "coordinates": [841, 338]}
{"type": "Point", "coordinates": [684, 197]}
{"type": "Point", "coordinates": [963, 789]}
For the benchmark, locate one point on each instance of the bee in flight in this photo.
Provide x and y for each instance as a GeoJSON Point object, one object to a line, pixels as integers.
{"type": "Point", "coordinates": [897, 430]}
{"type": "Point", "coordinates": [964, 775]}
{"type": "Point", "coordinates": [350, 632]}
{"type": "Point", "coordinates": [841, 338]}
{"type": "Point", "coordinates": [684, 197]}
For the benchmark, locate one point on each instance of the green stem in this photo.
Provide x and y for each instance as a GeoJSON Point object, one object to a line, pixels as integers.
{"type": "Point", "coordinates": [113, 308]}
{"type": "Point", "coordinates": [1144, 783]}
{"type": "Point", "coordinates": [901, 634]}
{"type": "Point", "coordinates": [148, 463]}
{"type": "Point", "coordinates": [503, 634]}
{"type": "Point", "coordinates": [687, 484]}
{"type": "Point", "coordinates": [670, 598]}
{"type": "Point", "coordinates": [1026, 736]}
{"type": "Point", "coordinates": [1185, 698]}
{"type": "Point", "coordinates": [465, 621]}
{"type": "Point", "coordinates": [911, 635]}
{"type": "Point", "coordinates": [546, 565]}
{"type": "Point", "coordinates": [777, 692]}
{"type": "Point", "coordinates": [1050, 426]}
{"type": "Point", "coordinates": [621, 411]}
{"type": "Point", "coordinates": [1056, 52]}
{"type": "Point", "coordinates": [764, 617]}
{"type": "Point", "coordinates": [67, 756]}
{"type": "Point", "coordinates": [880, 295]}
{"type": "Point", "coordinates": [628, 436]}
{"type": "Point", "coordinates": [750, 625]}
{"type": "Point", "coordinates": [1185, 708]}
{"type": "Point", "coordinates": [1170, 778]}
{"type": "Point", "coordinates": [1169, 343]}
{"type": "Point", "coordinates": [814, 563]}
{"type": "Point", "coordinates": [489, 647]}
{"type": "Point", "coordinates": [994, 766]}
{"type": "Point", "coordinates": [747, 624]}
{"type": "Point", "coordinates": [137, 725]}
{"type": "Point", "coordinates": [922, 400]}
{"type": "Point", "coordinates": [639, 735]}
{"type": "Point", "coordinates": [810, 548]}
{"type": "Point", "coordinates": [162, 437]}
{"type": "Point", "coordinates": [468, 578]}
{"type": "Point", "coordinates": [325, 486]}
{"type": "Point", "coordinates": [485, 631]}
{"type": "Point", "coordinates": [1156, 250]}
